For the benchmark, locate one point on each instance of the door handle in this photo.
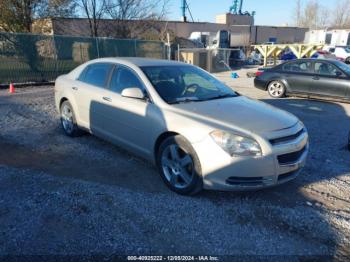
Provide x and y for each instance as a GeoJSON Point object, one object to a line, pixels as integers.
{"type": "Point", "coordinates": [75, 88]}
{"type": "Point", "coordinates": [316, 78]}
{"type": "Point", "coordinates": [108, 99]}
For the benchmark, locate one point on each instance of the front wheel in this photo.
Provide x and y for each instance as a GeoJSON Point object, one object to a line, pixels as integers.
{"type": "Point", "coordinates": [276, 89]}
{"type": "Point", "coordinates": [347, 60]}
{"type": "Point", "coordinates": [68, 120]}
{"type": "Point", "coordinates": [179, 166]}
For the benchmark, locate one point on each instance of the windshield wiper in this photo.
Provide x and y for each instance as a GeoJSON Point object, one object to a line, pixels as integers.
{"type": "Point", "coordinates": [184, 100]}
{"type": "Point", "coordinates": [196, 99]}
{"type": "Point", "coordinates": [222, 96]}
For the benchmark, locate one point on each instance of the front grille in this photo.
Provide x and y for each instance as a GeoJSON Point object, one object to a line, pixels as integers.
{"type": "Point", "coordinates": [245, 181]}
{"type": "Point", "coordinates": [287, 176]}
{"type": "Point", "coordinates": [285, 139]}
{"type": "Point", "coordinates": [290, 158]}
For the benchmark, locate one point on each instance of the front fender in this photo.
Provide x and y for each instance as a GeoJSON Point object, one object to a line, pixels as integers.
{"type": "Point", "coordinates": [62, 94]}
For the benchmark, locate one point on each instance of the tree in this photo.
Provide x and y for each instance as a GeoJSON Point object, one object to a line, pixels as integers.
{"type": "Point", "coordinates": [18, 15]}
{"type": "Point", "coordinates": [341, 17]}
{"type": "Point", "coordinates": [126, 18]}
{"type": "Point", "coordinates": [312, 15]}
{"type": "Point", "coordinates": [94, 11]}
{"type": "Point", "coordinates": [297, 13]}
{"type": "Point", "coordinates": [136, 9]}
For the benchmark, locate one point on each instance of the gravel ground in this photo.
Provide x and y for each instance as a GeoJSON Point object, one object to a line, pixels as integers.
{"type": "Point", "coordinates": [83, 196]}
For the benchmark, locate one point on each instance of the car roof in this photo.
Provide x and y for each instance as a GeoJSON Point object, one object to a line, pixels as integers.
{"type": "Point", "coordinates": [138, 61]}
{"type": "Point", "coordinates": [313, 60]}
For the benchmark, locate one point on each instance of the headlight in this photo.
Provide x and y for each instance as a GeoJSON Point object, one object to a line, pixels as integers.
{"type": "Point", "coordinates": [236, 145]}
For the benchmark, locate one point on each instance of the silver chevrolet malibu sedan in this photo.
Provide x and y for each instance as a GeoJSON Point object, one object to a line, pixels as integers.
{"type": "Point", "coordinates": [199, 132]}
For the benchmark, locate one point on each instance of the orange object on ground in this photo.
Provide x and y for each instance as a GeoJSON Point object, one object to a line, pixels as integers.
{"type": "Point", "coordinates": [12, 89]}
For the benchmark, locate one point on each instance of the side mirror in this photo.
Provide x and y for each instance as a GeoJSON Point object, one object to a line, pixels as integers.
{"type": "Point", "coordinates": [338, 73]}
{"type": "Point", "coordinates": [133, 92]}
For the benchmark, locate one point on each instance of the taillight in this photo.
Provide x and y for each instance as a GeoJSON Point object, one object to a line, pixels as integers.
{"type": "Point", "coordinates": [340, 59]}
{"type": "Point", "coordinates": [259, 73]}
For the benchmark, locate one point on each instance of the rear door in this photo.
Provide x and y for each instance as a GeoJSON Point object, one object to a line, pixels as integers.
{"type": "Point", "coordinates": [298, 76]}
{"type": "Point", "coordinates": [90, 84]}
{"type": "Point", "coordinates": [329, 80]}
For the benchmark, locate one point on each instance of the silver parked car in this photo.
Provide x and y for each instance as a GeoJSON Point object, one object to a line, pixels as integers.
{"type": "Point", "coordinates": [198, 131]}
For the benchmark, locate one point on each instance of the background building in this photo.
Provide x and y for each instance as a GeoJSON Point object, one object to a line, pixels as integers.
{"type": "Point", "coordinates": [241, 27]}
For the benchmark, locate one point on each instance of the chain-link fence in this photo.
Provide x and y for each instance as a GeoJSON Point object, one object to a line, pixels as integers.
{"type": "Point", "coordinates": [41, 58]}
{"type": "Point", "coordinates": [212, 60]}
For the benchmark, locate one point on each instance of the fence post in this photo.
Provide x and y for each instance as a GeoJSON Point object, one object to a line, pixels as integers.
{"type": "Point", "coordinates": [168, 51]}
{"type": "Point", "coordinates": [97, 47]}
{"type": "Point", "coordinates": [135, 47]}
{"type": "Point", "coordinates": [56, 55]}
{"type": "Point", "coordinates": [81, 53]}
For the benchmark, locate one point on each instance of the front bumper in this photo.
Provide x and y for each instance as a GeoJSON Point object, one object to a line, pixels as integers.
{"type": "Point", "coordinates": [280, 163]}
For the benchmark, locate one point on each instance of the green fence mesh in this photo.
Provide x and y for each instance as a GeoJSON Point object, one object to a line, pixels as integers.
{"type": "Point", "coordinates": [40, 58]}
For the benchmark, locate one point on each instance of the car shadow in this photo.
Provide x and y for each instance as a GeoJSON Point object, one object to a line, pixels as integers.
{"type": "Point", "coordinates": [328, 126]}
{"type": "Point", "coordinates": [286, 216]}
{"type": "Point", "coordinates": [285, 204]}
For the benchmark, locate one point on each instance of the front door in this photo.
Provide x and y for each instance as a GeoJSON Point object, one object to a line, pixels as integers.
{"type": "Point", "coordinates": [128, 121]}
{"type": "Point", "coordinates": [329, 81]}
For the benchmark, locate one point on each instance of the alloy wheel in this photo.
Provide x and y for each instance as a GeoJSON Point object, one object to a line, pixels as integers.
{"type": "Point", "coordinates": [67, 118]}
{"type": "Point", "coordinates": [276, 89]}
{"type": "Point", "coordinates": [178, 166]}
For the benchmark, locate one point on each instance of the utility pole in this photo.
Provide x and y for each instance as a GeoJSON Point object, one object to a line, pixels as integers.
{"type": "Point", "coordinates": [183, 9]}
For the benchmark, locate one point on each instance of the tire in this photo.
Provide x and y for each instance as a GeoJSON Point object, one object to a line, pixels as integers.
{"type": "Point", "coordinates": [347, 60]}
{"type": "Point", "coordinates": [276, 89]}
{"type": "Point", "coordinates": [68, 120]}
{"type": "Point", "coordinates": [179, 166]}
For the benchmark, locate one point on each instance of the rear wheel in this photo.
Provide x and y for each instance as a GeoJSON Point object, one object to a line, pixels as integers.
{"type": "Point", "coordinates": [179, 166]}
{"type": "Point", "coordinates": [276, 89]}
{"type": "Point", "coordinates": [347, 60]}
{"type": "Point", "coordinates": [68, 120]}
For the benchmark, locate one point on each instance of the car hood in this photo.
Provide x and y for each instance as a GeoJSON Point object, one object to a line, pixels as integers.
{"type": "Point", "coordinates": [240, 112]}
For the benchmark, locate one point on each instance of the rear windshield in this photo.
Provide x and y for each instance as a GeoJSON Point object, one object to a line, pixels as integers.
{"type": "Point", "coordinates": [343, 66]}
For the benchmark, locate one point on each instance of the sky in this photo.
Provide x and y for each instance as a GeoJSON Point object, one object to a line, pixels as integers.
{"type": "Point", "coordinates": [268, 12]}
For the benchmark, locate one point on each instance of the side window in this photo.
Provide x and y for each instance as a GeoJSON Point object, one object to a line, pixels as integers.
{"type": "Point", "coordinates": [122, 78]}
{"type": "Point", "coordinates": [299, 67]}
{"type": "Point", "coordinates": [325, 69]}
{"type": "Point", "coordinates": [96, 74]}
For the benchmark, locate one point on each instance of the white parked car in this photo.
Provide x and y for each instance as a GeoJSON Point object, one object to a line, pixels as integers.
{"type": "Point", "coordinates": [341, 52]}
{"type": "Point", "coordinates": [198, 131]}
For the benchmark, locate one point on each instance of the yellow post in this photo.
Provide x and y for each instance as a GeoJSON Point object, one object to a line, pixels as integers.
{"type": "Point", "coordinates": [300, 50]}
{"type": "Point", "coordinates": [266, 48]}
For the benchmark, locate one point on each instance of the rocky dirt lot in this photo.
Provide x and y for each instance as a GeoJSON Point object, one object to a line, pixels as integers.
{"type": "Point", "coordinates": [82, 196]}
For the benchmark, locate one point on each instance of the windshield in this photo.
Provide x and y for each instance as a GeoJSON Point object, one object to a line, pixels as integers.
{"type": "Point", "coordinates": [344, 67]}
{"type": "Point", "coordinates": [184, 83]}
